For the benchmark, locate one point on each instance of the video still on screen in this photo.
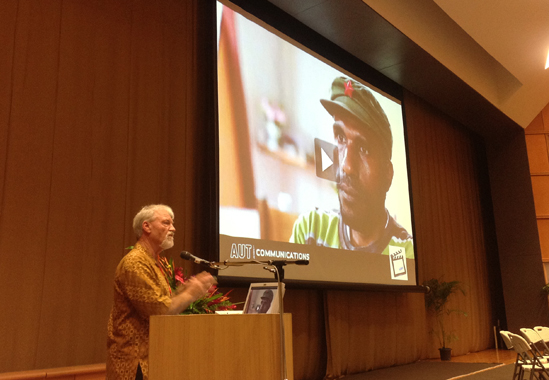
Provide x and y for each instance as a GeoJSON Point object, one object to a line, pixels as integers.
{"type": "Point", "coordinates": [312, 163]}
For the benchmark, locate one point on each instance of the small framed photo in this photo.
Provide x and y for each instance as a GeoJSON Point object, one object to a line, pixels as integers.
{"type": "Point", "coordinates": [263, 298]}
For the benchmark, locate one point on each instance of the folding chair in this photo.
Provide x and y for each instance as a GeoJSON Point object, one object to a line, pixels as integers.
{"type": "Point", "coordinates": [517, 372]}
{"type": "Point", "coordinates": [535, 341]}
{"type": "Point", "coordinates": [543, 332]}
{"type": "Point", "coordinates": [530, 362]}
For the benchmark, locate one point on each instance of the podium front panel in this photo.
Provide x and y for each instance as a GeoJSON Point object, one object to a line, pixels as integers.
{"type": "Point", "coordinates": [219, 347]}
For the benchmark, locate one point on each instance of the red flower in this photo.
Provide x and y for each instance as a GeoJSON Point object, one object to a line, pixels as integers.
{"type": "Point", "coordinates": [179, 276]}
{"type": "Point", "coordinates": [213, 300]}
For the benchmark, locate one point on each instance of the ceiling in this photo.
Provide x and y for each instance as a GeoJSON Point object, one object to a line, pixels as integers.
{"type": "Point", "coordinates": [514, 33]}
{"type": "Point", "coordinates": [497, 48]}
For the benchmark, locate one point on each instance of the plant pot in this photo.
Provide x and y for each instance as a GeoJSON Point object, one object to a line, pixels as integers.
{"type": "Point", "coordinates": [445, 353]}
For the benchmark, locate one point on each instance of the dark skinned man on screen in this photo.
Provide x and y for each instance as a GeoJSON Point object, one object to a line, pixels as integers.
{"type": "Point", "coordinates": [363, 137]}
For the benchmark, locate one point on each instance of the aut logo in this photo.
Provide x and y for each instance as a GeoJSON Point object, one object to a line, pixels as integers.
{"type": "Point", "coordinates": [241, 251]}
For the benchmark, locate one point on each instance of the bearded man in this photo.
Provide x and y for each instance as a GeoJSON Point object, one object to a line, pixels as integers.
{"type": "Point", "coordinates": [140, 290]}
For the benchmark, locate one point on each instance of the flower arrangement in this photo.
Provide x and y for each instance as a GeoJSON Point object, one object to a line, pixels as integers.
{"type": "Point", "coordinates": [212, 301]}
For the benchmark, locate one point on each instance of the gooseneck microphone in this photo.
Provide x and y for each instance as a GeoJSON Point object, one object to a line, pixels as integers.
{"type": "Point", "coordinates": [197, 260]}
{"type": "Point", "coordinates": [223, 265]}
{"type": "Point", "coordinates": [285, 262]}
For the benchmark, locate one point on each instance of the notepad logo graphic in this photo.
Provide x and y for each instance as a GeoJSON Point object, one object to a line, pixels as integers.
{"type": "Point", "coordinates": [397, 260]}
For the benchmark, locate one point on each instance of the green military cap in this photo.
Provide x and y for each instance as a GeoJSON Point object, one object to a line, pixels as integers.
{"type": "Point", "coordinates": [353, 98]}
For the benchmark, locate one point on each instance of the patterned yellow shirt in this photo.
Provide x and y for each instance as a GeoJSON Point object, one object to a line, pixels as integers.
{"type": "Point", "coordinates": [140, 291]}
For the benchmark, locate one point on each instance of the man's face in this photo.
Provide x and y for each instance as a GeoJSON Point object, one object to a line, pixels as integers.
{"type": "Point", "coordinates": [265, 305]}
{"type": "Point", "coordinates": [365, 172]}
{"type": "Point", "coordinates": [162, 229]}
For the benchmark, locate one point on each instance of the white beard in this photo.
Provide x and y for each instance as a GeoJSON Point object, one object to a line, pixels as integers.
{"type": "Point", "coordinates": [167, 243]}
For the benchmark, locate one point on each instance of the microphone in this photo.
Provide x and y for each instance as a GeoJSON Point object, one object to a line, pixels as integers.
{"type": "Point", "coordinates": [279, 265]}
{"type": "Point", "coordinates": [197, 260]}
{"type": "Point", "coordinates": [286, 262]}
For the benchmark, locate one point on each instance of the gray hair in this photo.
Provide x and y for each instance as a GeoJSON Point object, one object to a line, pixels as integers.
{"type": "Point", "coordinates": [147, 214]}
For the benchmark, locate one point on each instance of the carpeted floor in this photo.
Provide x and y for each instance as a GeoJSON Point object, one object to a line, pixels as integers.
{"type": "Point", "coordinates": [502, 372]}
{"type": "Point", "coordinates": [439, 371]}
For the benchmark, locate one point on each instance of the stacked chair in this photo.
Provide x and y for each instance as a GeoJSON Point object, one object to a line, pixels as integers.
{"type": "Point", "coordinates": [543, 333]}
{"type": "Point", "coordinates": [536, 342]}
{"type": "Point", "coordinates": [518, 362]}
{"type": "Point", "coordinates": [531, 354]}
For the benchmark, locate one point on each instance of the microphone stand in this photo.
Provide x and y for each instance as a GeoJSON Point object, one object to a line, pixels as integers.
{"type": "Point", "coordinates": [279, 276]}
{"type": "Point", "coordinates": [276, 267]}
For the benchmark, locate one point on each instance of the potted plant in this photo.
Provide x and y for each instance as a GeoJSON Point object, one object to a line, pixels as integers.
{"type": "Point", "coordinates": [436, 300]}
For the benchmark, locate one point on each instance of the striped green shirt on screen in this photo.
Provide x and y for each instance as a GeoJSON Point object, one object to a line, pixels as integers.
{"type": "Point", "coordinates": [326, 229]}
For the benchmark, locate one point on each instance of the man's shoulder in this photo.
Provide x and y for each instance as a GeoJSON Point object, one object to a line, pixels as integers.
{"type": "Point", "coordinates": [398, 232]}
{"type": "Point", "coordinates": [317, 227]}
{"type": "Point", "coordinates": [134, 260]}
{"type": "Point", "coordinates": [401, 238]}
{"type": "Point", "coordinates": [320, 215]}
{"type": "Point", "coordinates": [318, 220]}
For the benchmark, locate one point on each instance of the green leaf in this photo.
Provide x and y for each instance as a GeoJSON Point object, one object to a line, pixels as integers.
{"type": "Point", "coordinates": [436, 301]}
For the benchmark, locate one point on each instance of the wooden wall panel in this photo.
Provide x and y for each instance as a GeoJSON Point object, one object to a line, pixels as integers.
{"type": "Point", "coordinates": [545, 117]}
{"type": "Point", "coordinates": [543, 228]}
{"type": "Point", "coordinates": [536, 125]}
{"type": "Point", "coordinates": [538, 157]}
{"type": "Point", "coordinates": [540, 187]}
{"type": "Point", "coordinates": [537, 134]}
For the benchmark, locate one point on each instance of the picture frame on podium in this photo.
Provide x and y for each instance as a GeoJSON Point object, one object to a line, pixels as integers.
{"type": "Point", "coordinates": [263, 298]}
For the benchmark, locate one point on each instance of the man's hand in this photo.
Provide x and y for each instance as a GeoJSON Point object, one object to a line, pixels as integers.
{"type": "Point", "coordinates": [194, 288]}
{"type": "Point", "coordinates": [199, 285]}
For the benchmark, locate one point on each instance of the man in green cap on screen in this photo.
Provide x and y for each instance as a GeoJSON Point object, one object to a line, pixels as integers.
{"type": "Point", "coordinates": [364, 140]}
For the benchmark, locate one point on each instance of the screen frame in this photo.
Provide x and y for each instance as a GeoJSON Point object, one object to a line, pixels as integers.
{"type": "Point", "coordinates": [272, 18]}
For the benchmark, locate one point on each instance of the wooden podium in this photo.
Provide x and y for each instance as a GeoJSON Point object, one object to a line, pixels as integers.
{"type": "Point", "coordinates": [219, 347]}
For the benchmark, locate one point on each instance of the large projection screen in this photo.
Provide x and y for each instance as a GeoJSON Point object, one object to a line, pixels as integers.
{"type": "Point", "coordinates": [312, 164]}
